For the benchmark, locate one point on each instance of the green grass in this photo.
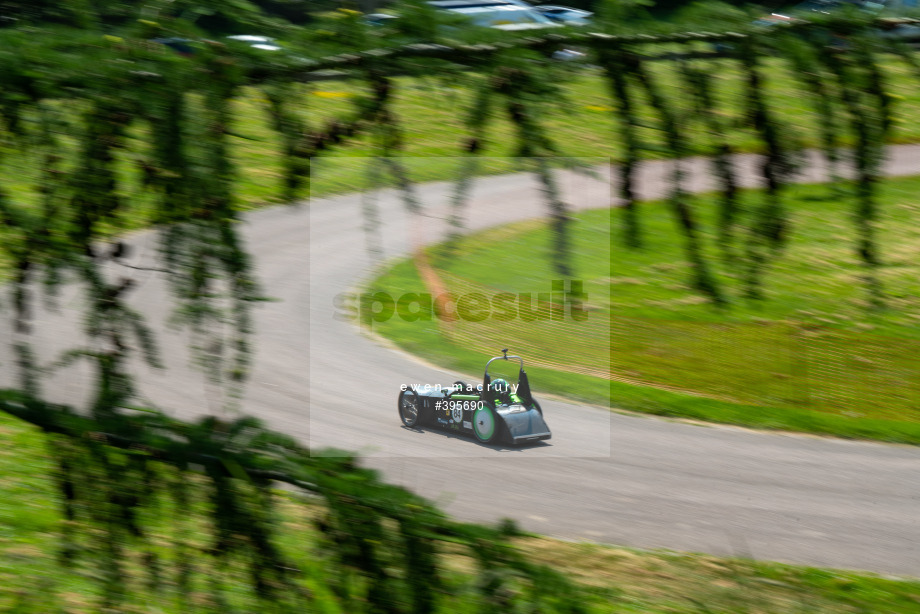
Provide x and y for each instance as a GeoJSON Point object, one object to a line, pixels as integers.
{"type": "Point", "coordinates": [614, 579]}
{"type": "Point", "coordinates": [584, 124]}
{"type": "Point", "coordinates": [811, 357]}
{"type": "Point", "coordinates": [432, 116]}
{"type": "Point", "coordinates": [32, 578]}
{"type": "Point", "coordinates": [662, 581]}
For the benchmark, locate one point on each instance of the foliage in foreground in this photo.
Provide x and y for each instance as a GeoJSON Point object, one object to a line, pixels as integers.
{"type": "Point", "coordinates": [609, 579]}
{"type": "Point", "coordinates": [124, 475]}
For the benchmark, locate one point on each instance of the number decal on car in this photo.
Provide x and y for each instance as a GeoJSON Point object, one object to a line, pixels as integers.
{"type": "Point", "coordinates": [456, 409]}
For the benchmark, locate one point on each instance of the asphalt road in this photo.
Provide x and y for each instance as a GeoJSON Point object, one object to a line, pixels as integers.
{"type": "Point", "coordinates": [605, 476]}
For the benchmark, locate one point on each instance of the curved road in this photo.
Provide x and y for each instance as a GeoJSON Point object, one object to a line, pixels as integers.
{"type": "Point", "coordinates": [605, 476]}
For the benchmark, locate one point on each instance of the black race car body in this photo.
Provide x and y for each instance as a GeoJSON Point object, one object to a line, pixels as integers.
{"type": "Point", "coordinates": [493, 412]}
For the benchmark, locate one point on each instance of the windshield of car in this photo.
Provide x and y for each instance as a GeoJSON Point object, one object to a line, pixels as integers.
{"type": "Point", "coordinates": [499, 15]}
{"type": "Point", "coordinates": [563, 10]}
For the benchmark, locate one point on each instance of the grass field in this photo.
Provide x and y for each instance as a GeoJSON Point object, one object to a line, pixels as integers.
{"type": "Point", "coordinates": [810, 357]}
{"type": "Point", "coordinates": [431, 112]}
{"type": "Point", "coordinates": [432, 115]}
{"type": "Point", "coordinates": [582, 121]}
{"type": "Point", "coordinates": [614, 579]}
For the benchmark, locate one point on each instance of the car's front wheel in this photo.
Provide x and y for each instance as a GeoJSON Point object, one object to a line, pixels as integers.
{"type": "Point", "coordinates": [410, 411]}
{"type": "Point", "coordinates": [485, 424]}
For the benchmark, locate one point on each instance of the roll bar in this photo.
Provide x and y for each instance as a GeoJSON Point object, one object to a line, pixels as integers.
{"type": "Point", "coordinates": [504, 357]}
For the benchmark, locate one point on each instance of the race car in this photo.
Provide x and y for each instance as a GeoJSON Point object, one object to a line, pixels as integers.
{"type": "Point", "coordinates": [494, 412]}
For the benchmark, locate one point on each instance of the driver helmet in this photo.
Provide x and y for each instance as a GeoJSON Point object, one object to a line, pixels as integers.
{"type": "Point", "coordinates": [500, 386]}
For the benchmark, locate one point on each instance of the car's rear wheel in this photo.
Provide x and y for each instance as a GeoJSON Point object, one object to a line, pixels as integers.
{"type": "Point", "coordinates": [537, 406]}
{"type": "Point", "coordinates": [485, 424]}
{"type": "Point", "coordinates": [410, 411]}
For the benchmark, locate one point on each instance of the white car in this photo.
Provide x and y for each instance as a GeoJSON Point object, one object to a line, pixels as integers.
{"type": "Point", "coordinates": [265, 43]}
{"type": "Point", "coordinates": [378, 19]}
{"type": "Point", "coordinates": [886, 12]}
{"type": "Point", "coordinates": [499, 14]}
{"type": "Point", "coordinates": [565, 14]}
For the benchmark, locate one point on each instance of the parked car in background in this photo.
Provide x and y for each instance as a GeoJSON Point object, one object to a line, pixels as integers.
{"type": "Point", "coordinates": [379, 19]}
{"type": "Point", "coordinates": [255, 41]}
{"type": "Point", "coordinates": [499, 14]}
{"type": "Point", "coordinates": [508, 15]}
{"type": "Point", "coordinates": [182, 46]}
{"type": "Point", "coordinates": [564, 14]}
{"type": "Point", "coordinates": [885, 9]}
